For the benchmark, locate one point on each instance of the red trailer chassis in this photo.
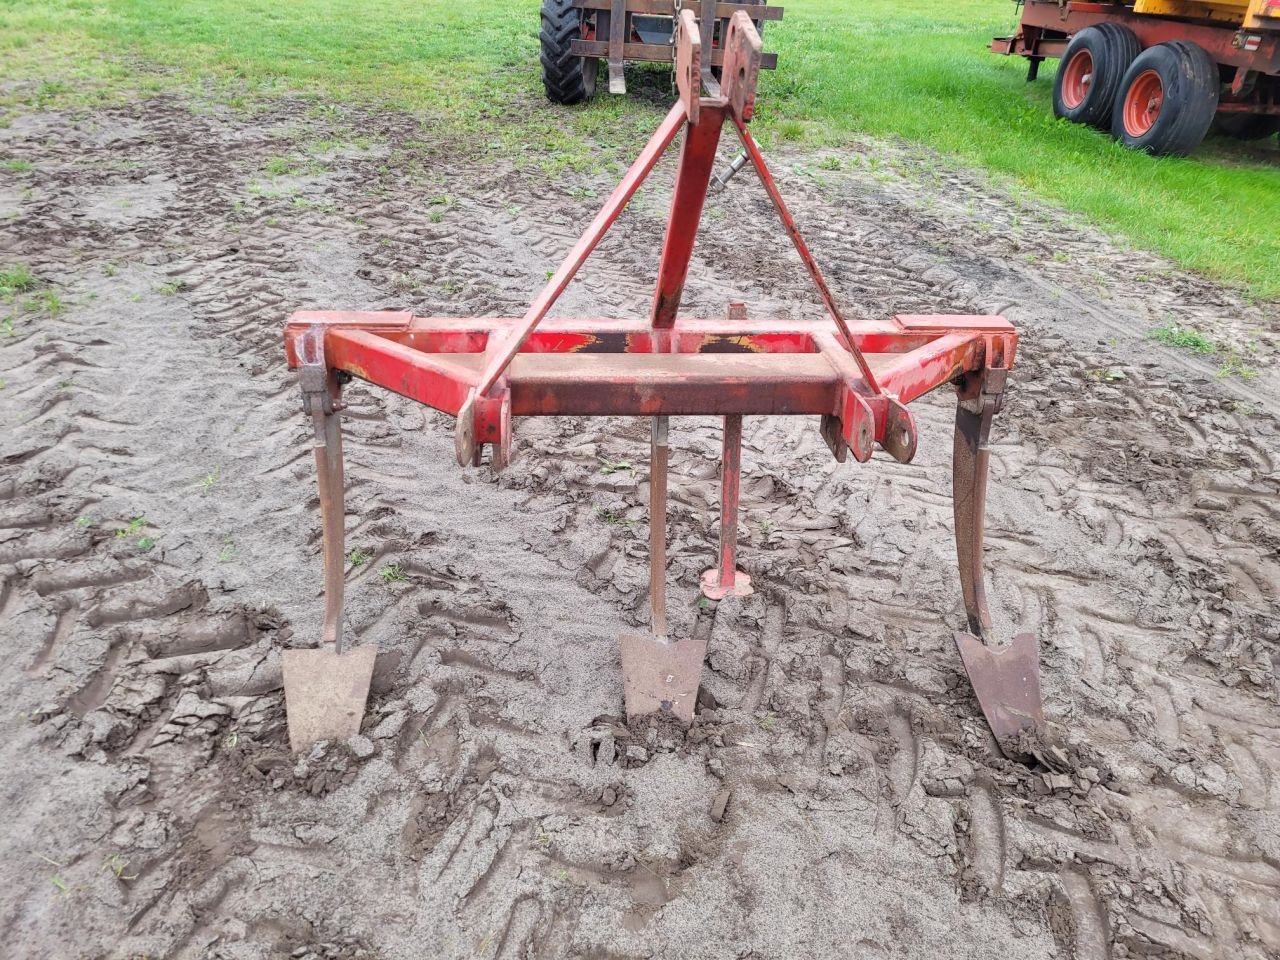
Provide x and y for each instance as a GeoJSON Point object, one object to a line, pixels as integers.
{"type": "Point", "coordinates": [1249, 56]}
{"type": "Point", "coordinates": [856, 377]}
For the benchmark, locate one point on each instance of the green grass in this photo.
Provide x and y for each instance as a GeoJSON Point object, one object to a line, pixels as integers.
{"type": "Point", "coordinates": [1232, 362]}
{"type": "Point", "coordinates": [16, 279]}
{"type": "Point", "coordinates": [393, 573]}
{"type": "Point", "coordinates": [922, 74]}
{"type": "Point", "coordinates": [1175, 336]}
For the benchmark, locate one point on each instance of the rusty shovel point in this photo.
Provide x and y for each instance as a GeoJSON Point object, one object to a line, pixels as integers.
{"type": "Point", "coordinates": [326, 693]}
{"type": "Point", "coordinates": [1007, 682]}
{"type": "Point", "coordinates": [661, 676]}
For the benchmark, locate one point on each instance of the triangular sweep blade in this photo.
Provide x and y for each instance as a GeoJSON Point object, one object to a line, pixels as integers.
{"type": "Point", "coordinates": [1007, 682]}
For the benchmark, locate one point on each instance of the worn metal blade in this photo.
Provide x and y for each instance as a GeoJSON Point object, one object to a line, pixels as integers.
{"type": "Point", "coordinates": [659, 676]}
{"type": "Point", "coordinates": [325, 693]}
{"type": "Point", "coordinates": [1007, 682]}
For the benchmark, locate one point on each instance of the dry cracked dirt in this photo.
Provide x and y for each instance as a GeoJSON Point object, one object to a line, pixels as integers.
{"type": "Point", "coordinates": [159, 547]}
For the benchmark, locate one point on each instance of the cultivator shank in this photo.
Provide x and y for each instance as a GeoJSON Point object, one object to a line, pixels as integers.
{"type": "Point", "coordinates": [858, 378]}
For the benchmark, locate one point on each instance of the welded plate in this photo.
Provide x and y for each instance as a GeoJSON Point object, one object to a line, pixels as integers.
{"type": "Point", "coordinates": [325, 693]}
{"type": "Point", "coordinates": [1007, 682]}
{"type": "Point", "coordinates": [660, 676]}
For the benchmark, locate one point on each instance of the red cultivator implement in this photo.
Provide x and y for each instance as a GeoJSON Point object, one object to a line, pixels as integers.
{"type": "Point", "coordinates": [857, 377]}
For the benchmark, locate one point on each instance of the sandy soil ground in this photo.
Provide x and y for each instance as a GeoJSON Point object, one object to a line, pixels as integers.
{"type": "Point", "coordinates": [495, 805]}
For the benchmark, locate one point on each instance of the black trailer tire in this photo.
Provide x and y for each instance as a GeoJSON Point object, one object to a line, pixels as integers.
{"type": "Point", "coordinates": [1090, 72]}
{"type": "Point", "coordinates": [568, 79]}
{"type": "Point", "coordinates": [1247, 126]}
{"type": "Point", "coordinates": [1167, 100]}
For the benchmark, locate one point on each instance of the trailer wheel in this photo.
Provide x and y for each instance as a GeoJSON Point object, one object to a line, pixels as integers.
{"type": "Point", "coordinates": [1247, 126]}
{"type": "Point", "coordinates": [567, 79]}
{"type": "Point", "coordinates": [1089, 74]}
{"type": "Point", "coordinates": [1169, 99]}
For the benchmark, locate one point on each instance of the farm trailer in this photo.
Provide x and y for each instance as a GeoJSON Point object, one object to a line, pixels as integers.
{"type": "Point", "coordinates": [1157, 74]}
{"type": "Point", "coordinates": [577, 35]}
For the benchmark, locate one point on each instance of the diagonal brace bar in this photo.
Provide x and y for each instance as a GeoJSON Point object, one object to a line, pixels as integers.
{"type": "Point", "coordinates": [802, 248]}
{"type": "Point", "coordinates": [500, 358]}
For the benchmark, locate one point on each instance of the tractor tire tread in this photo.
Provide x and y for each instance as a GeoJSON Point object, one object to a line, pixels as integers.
{"type": "Point", "coordinates": [1190, 99]}
{"type": "Point", "coordinates": [1113, 48]}
{"type": "Point", "coordinates": [563, 73]}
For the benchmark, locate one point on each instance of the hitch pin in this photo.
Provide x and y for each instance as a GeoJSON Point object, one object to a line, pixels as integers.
{"type": "Point", "coordinates": [720, 181]}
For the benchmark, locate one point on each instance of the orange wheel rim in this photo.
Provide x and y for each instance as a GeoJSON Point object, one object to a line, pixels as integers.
{"type": "Point", "coordinates": [1142, 103]}
{"type": "Point", "coordinates": [1077, 79]}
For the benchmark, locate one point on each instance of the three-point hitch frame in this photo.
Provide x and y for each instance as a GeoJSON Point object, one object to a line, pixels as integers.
{"type": "Point", "coordinates": [858, 378]}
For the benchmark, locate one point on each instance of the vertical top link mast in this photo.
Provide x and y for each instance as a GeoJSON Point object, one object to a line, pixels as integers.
{"type": "Point", "coordinates": [702, 118]}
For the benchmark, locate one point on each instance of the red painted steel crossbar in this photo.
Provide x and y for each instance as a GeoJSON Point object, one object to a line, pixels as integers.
{"type": "Point", "coordinates": [602, 367]}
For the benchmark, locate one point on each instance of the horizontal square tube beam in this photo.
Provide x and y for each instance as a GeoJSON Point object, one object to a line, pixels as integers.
{"type": "Point", "coordinates": [654, 52]}
{"type": "Point", "coordinates": [606, 335]}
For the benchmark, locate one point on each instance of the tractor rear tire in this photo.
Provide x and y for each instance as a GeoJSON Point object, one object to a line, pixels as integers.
{"type": "Point", "coordinates": [568, 79]}
{"type": "Point", "coordinates": [1089, 74]}
{"type": "Point", "coordinates": [1247, 126]}
{"type": "Point", "coordinates": [1168, 99]}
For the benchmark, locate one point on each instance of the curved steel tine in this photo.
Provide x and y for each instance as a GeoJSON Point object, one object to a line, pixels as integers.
{"type": "Point", "coordinates": [1006, 679]}
{"type": "Point", "coordinates": [971, 458]}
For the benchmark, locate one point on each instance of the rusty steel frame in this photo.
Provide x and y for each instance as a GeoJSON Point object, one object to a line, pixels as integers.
{"type": "Point", "coordinates": [613, 20]}
{"type": "Point", "coordinates": [856, 376]}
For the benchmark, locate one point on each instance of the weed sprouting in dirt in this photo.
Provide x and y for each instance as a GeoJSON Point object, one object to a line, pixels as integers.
{"type": "Point", "coordinates": [210, 479]}
{"type": "Point", "coordinates": [227, 553]}
{"type": "Point", "coordinates": [118, 866]}
{"type": "Point", "coordinates": [59, 883]}
{"type": "Point", "coordinates": [133, 528]}
{"type": "Point", "coordinates": [393, 573]}
{"type": "Point", "coordinates": [610, 467]}
{"type": "Point", "coordinates": [1234, 365]}
{"type": "Point", "coordinates": [358, 557]}
{"type": "Point", "coordinates": [1107, 374]}
{"type": "Point", "coordinates": [612, 517]}
{"type": "Point", "coordinates": [1231, 362]}
{"type": "Point", "coordinates": [1173, 335]}
{"type": "Point", "coordinates": [18, 166]}
{"type": "Point", "coordinates": [16, 279]}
